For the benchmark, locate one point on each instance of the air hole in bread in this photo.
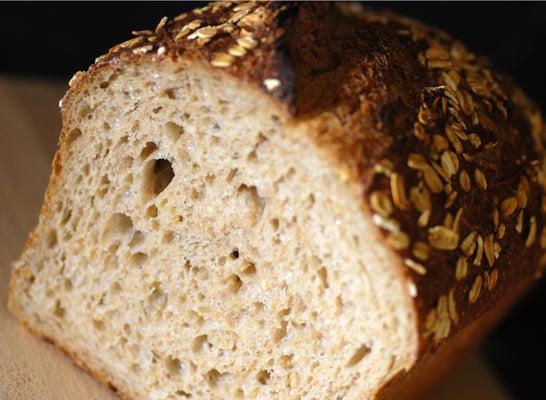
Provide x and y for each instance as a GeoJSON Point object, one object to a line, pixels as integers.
{"type": "Point", "coordinates": [231, 174]}
{"type": "Point", "coordinates": [157, 297]}
{"type": "Point", "coordinates": [214, 377]}
{"type": "Point", "coordinates": [148, 149]}
{"type": "Point", "coordinates": [73, 135]}
{"type": "Point", "coordinates": [174, 130]}
{"type": "Point", "coordinates": [167, 237]}
{"type": "Point", "coordinates": [183, 394]}
{"type": "Point", "coordinates": [258, 306]}
{"type": "Point", "coordinates": [174, 366]}
{"type": "Point", "coordinates": [151, 211]}
{"type": "Point", "coordinates": [174, 93]}
{"type": "Point", "coordinates": [263, 376]}
{"type": "Point", "coordinates": [234, 283]}
{"type": "Point", "coordinates": [98, 324]}
{"type": "Point", "coordinates": [358, 355]}
{"type": "Point", "coordinates": [234, 254]}
{"type": "Point", "coordinates": [128, 180]}
{"type": "Point", "coordinates": [115, 288]}
{"type": "Point", "coordinates": [85, 112]}
{"type": "Point", "coordinates": [52, 239]}
{"type": "Point", "coordinates": [67, 214]}
{"type": "Point", "coordinates": [138, 259]}
{"type": "Point", "coordinates": [252, 199]}
{"type": "Point", "coordinates": [158, 174]}
{"type": "Point", "coordinates": [58, 309]}
{"type": "Point", "coordinates": [339, 305]}
{"type": "Point", "coordinates": [137, 239]}
{"type": "Point", "coordinates": [127, 162]}
{"type": "Point", "coordinates": [123, 140]}
{"type": "Point", "coordinates": [157, 109]}
{"type": "Point", "coordinates": [135, 127]}
{"type": "Point", "coordinates": [323, 276]}
{"type": "Point", "coordinates": [68, 284]}
{"type": "Point", "coordinates": [286, 361]}
{"type": "Point", "coordinates": [105, 180]}
{"type": "Point", "coordinates": [118, 226]}
{"type": "Point", "coordinates": [275, 224]}
{"type": "Point", "coordinates": [209, 179]}
{"type": "Point", "coordinates": [249, 269]}
{"type": "Point", "coordinates": [200, 343]}
{"type": "Point", "coordinates": [86, 169]}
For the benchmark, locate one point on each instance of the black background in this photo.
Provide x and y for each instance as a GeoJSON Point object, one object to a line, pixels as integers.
{"type": "Point", "coordinates": [53, 40]}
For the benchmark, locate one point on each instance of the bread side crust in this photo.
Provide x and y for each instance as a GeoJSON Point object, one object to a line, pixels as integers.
{"type": "Point", "coordinates": [117, 388]}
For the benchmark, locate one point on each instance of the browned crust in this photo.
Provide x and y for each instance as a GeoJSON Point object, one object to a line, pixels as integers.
{"type": "Point", "coordinates": [434, 366]}
{"type": "Point", "coordinates": [377, 90]}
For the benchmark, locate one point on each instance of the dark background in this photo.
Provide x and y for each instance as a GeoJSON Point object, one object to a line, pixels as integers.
{"type": "Point", "coordinates": [53, 40]}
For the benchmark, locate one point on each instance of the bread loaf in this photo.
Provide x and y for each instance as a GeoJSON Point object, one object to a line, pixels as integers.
{"type": "Point", "coordinates": [282, 201]}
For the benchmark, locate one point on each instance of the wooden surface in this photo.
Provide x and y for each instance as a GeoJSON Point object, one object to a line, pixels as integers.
{"type": "Point", "coordinates": [30, 368]}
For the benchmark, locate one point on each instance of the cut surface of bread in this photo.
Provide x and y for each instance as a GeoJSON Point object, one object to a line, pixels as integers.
{"type": "Point", "coordinates": [282, 201]}
{"type": "Point", "coordinates": [197, 245]}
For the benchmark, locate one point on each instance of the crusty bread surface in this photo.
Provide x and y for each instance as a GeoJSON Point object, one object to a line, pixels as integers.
{"type": "Point", "coordinates": [279, 200]}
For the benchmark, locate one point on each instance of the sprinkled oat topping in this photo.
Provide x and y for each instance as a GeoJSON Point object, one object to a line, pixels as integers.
{"type": "Point", "coordinates": [247, 42]}
{"type": "Point", "coordinates": [509, 205]}
{"type": "Point", "coordinates": [461, 268]}
{"type": "Point", "coordinates": [398, 190]}
{"type": "Point", "coordinates": [443, 238]}
{"type": "Point", "coordinates": [272, 83]}
{"type": "Point", "coordinates": [221, 60]}
{"type": "Point", "coordinates": [475, 290]}
{"type": "Point", "coordinates": [161, 24]}
{"type": "Point", "coordinates": [532, 232]}
{"type": "Point", "coordinates": [480, 179]}
{"type": "Point", "coordinates": [479, 251]}
{"type": "Point", "coordinates": [421, 250]}
{"type": "Point", "coordinates": [415, 266]}
{"type": "Point", "coordinates": [519, 222]}
{"type": "Point", "coordinates": [493, 278]}
{"type": "Point", "coordinates": [452, 306]}
{"type": "Point", "coordinates": [468, 245]}
{"type": "Point", "coordinates": [398, 240]}
{"type": "Point", "coordinates": [381, 203]}
{"type": "Point", "coordinates": [389, 224]}
{"type": "Point", "coordinates": [488, 247]}
{"type": "Point", "coordinates": [464, 181]}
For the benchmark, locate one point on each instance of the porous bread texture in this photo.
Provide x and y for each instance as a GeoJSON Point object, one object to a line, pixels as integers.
{"type": "Point", "coordinates": [195, 243]}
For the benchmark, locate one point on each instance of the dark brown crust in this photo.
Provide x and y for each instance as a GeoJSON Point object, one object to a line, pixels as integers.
{"type": "Point", "coordinates": [375, 87]}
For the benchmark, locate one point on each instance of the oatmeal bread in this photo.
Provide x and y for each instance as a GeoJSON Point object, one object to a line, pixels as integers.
{"type": "Point", "coordinates": [281, 200]}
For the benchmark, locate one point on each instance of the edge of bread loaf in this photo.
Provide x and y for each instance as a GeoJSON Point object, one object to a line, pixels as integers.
{"type": "Point", "coordinates": [270, 67]}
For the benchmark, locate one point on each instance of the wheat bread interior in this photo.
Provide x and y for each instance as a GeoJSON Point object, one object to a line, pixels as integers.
{"type": "Point", "coordinates": [196, 243]}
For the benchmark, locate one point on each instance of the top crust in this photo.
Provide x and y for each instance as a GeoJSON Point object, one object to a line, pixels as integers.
{"type": "Point", "coordinates": [447, 155]}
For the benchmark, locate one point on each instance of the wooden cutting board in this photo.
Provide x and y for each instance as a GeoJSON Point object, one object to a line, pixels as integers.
{"type": "Point", "coordinates": [31, 368]}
